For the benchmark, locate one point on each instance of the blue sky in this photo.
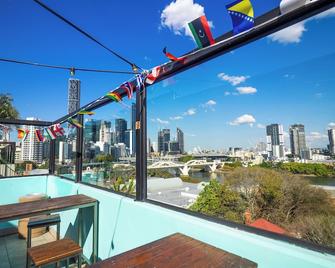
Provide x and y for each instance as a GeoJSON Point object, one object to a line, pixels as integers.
{"type": "Point", "coordinates": [286, 78]}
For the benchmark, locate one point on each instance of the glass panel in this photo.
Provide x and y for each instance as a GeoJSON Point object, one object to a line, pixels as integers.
{"type": "Point", "coordinates": [24, 155]}
{"type": "Point", "coordinates": [109, 147]}
{"type": "Point", "coordinates": [249, 137]}
{"type": "Point", "coordinates": [66, 152]}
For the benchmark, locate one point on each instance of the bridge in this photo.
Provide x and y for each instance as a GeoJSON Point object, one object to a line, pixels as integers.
{"type": "Point", "coordinates": [185, 167]}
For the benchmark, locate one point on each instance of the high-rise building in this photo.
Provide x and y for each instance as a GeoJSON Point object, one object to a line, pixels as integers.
{"type": "Point", "coordinates": [105, 134]}
{"type": "Point", "coordinates": [275, 140]}
{"type": "Point", "coordinates": [65, 151]}
{"type": "Point", "coordinates": [7, 152]}
{"type": "Point", "coordinates": [163, 141]}
{"type": "Point", "coordinates": [331, 136]}
{"type": "Point", "coordinates": [92, 130]}
{"type": "Point", "coordinates": [298, 140]}
{"type": "Point", "coordinates": [73, 95]}
{"type": "Point", "coordinates": [129, 140]}
{"type": "Point", "coordinates": [32, 149]}
{"type": "Point", "coordinates": [120, 130]}
{"type": "Point", "coordinates": [180, 140]}
{"type": "Point", "coordinates": [174, 147]}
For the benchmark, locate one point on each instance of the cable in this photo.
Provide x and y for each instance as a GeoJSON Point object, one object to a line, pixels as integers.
{"type": "Point", "coordinates": [133, 65]}
{"type": "Point", "coordinates": [71, 69]}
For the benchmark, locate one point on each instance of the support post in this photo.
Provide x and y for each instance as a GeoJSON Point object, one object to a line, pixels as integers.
{"type": "Point", "coordinates": [52, 157]}
{"type": "Point", "coordinates": [79, 149]}
{"type": "Point", "coordinates": [141, 144]}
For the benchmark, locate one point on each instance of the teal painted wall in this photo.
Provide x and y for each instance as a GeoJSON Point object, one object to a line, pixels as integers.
{"type": "Point", "coordinates": [125, 224]}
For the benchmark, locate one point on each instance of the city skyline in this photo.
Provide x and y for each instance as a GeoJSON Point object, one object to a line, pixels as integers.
{"type": "Point", "coordinates": [224, 103]}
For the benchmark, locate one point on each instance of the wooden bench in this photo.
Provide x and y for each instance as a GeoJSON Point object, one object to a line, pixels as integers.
{"type": "Point", "coordinates": [54, 252]}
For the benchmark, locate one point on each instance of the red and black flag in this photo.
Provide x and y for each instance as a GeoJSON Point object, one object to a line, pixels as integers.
{"type": "Point", "coordinates": [172, 57]}
{"type": "Point", "coordinates": [201, 32]}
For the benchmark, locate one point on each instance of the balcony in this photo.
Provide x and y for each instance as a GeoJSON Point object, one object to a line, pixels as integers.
{"type": "Point", "coordinates": [125, 224]}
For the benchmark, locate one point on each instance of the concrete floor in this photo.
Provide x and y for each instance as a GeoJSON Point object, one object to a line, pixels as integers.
{"type": "Point", "coordinates": [13, 250]}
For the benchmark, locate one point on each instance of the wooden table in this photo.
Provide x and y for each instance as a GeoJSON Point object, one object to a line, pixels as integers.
{"type": "Point", "coordinates": [40, 207]}
{"type": "Point", "coordinates": [175, 251]}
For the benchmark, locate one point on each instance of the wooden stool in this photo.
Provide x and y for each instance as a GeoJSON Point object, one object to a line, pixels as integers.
{"type": "Point", "coordinates": [53, 252]}
{"type": "Point", "coordinates": [42, 221]}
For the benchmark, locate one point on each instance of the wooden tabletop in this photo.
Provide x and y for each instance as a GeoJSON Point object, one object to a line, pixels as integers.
{"type": "Point", "coordinates": [28, 209]}
{"type": "Point", "coordinates": [175, 251]}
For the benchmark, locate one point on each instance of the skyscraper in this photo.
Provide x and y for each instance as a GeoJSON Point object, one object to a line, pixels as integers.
{"type": "Point", "coordinates": [32, 149]}
{"type": "Point", "coordinates": [129, 140]}
{"type": "Point", "coordinates": [331, 136]}
{"type": "Point", "coordinates": [73, 95]}
{"type": "Point", "coordinates": [180, 140]}
{"type": "Point", "coordinates": [92, 130]}
{"type": "Point", "coordinates": [297, 140]}
{"type": "Point", "coordinates": [163, 141]}
{"type": "Point", "coordinates": [120, 130]}
{"type": "Point", "coordinates": [105, 132]}
{"type": "Point", "coordinates": [275, 140]}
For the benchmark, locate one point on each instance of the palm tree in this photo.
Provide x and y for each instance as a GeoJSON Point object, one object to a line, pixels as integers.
{"type": "Point", "coordinates": [7, 111]}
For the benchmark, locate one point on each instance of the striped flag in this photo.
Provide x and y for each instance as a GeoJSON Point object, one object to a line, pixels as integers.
{"type": "Point", "coordinates": [152, 76]}
{"type": "Point", "coordinates": [201, 32]}
{"type": "Point", "coordinates": [75, 122]}
{"type": "Point", "coordinates": [128, 87]}
{"type": "Point", "coordinates": [114, 96]}
{"type": "Point", "coordinates": [242, 15]}
{"type": "Point", "coordinates": [39, 135]}
{"type": "Point", "coordinates": [83, 112]}
{"type": "Point", "coordinates": [22, 134]}
{"type": "Point", "coordinates": [51, 133]}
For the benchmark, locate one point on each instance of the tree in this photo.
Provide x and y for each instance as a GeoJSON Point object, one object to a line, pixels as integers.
{"type": "Point", "coordinates": [7, 109]}
{"type": "Point", "coordinates": [186, 158]}
{"type": "Point", "coordinates": [218, 200]}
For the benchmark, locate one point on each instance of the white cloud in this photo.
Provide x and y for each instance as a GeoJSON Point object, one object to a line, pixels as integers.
{"type": "Point", "coordinates": [209, 105]}
{"type": "Point", "coordinates": [246, 90]}
{"type": "Point", "coordinates": [232, 79]}
{"type": "Point", "coordinates": [191, 111]}
{"type": "Point", "coordinates": [294, 33]}
{"type": "Point", "coordinates": [260, 126]}
{"type": "Point", "coordinates": [243, 120]}
{"type": "Point", "coordinates": [290, 34]}
{"type": "Point", "coordinates": [227, 93]}
{"type": "Point", "coordinates": [160, 121]}
{"type": "Point", "coordinates": [178, 117]}
{"type": "Point", "coordinates": [327, 13]}
{"type": "Point", "coordinates": [179, 13]}
{"type": "Point", "coordinates": [313, 136]}
{"type": "Point", "coordinates": [331, 125]}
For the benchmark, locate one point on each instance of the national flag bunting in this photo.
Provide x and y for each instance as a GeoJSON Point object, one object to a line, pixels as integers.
{"type": "Point", "coordinates": [39, 135]}
{"type": "Point", "coordinates": [22, 134]}
{"type": "Point", "coordinates": [201, 32]}
{"type": "Point", "coordinates": [114, 96]}
{"type": "Point", "coordinates": [152, 76]}
{"type": "Point", "coordinates": [128, 87]}
{"type": "Point", "coordinates": [242, 15]}
{"type": "Point", "coordinates": [172, 57]}
{"type": "Point", "coordinates": [58, 130]}
{"type": "Point", "coordinates": [75, 123]}
{"type": "Point", "coordinates": [51, 133]}
{"type": "Point", "coordinates": [83, 112]}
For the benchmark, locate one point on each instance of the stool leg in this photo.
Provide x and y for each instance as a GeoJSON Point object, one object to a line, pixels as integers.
{"type": "Point", "coordinates": [79, 261]}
